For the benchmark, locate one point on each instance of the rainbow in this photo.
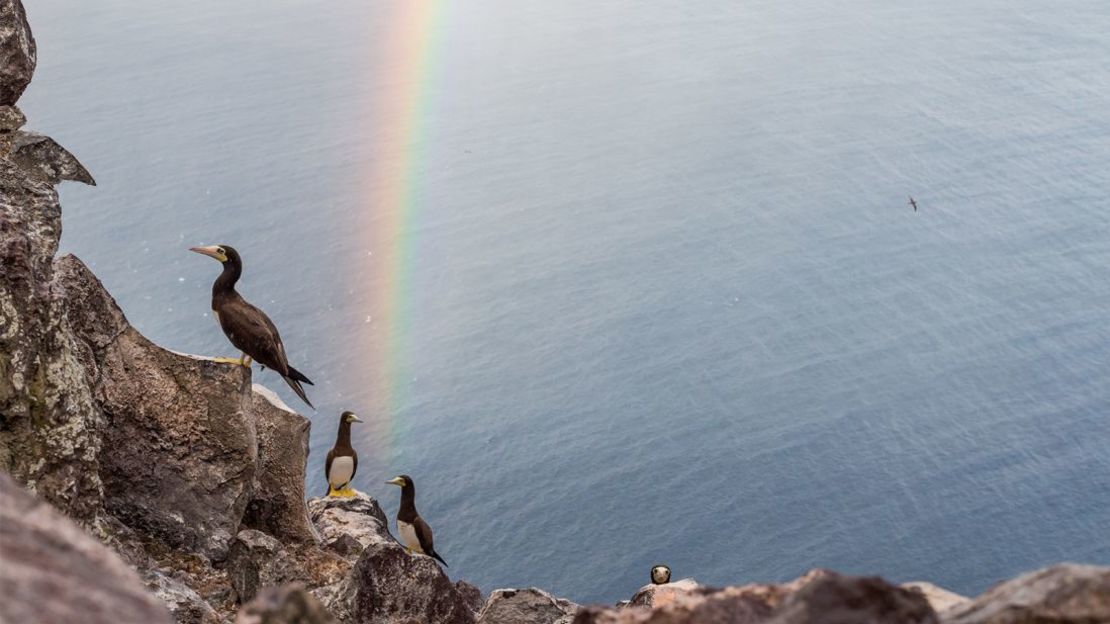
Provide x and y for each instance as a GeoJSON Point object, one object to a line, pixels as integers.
{"type": "Point", "coordinates": [399, 124]}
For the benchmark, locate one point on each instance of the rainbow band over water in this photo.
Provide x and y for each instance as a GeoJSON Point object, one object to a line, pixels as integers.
{"type": "Point", "coordinates": [400, 115]}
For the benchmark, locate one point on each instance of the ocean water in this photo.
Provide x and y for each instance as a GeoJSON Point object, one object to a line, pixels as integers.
{"type": "Point", "coordinates": [666, 300]}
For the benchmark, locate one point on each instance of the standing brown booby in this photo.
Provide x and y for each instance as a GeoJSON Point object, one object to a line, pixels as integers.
{"type": "Point", "coordinates": [247, 327]}
{"type": "Point", "coordinates": [342, 461]}
{"type": "Point", "coordinates": [416, 535]}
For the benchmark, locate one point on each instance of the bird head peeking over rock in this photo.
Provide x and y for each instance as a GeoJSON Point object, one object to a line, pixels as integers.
{"type": "Point", "coordinates": [342, 461]}
{"type": "Point", "coordinates": [660, 574]}
{"type": "Point", "coordinates": [416, 535]}
{"type": "Point", "coordinates": [247, 327]}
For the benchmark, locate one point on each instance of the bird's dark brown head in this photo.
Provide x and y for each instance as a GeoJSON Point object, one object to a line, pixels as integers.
{"type": "Point", "coordinates": [660, 574]}
{"type": "Point", "coordinates": [349, 417]}
{"type": "Point", "coordinates": [226, 254]}
{"type": "Point", "coordinates": [401, 481]}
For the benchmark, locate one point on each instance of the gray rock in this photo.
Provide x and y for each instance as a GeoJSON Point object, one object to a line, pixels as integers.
{"type": "Point", "coordinates": [659, 595]}
{"type": "Point", "coordinates": [185, 604]}
{"type": "Point", "coordinates": [181, 430]}
{"type": "Point", "coordinates": [348, 525]}
{"type": "Point", "coordinates": [471, 594]}
{"type": "Point", "coordinates": [288, 604]}
{"type": "Point", "coordinates": [837, 599]}
{"type": "Point", "coordinates": [389, 585]}
{"type": "Point", "coordinates": [54, 573]}
{"type": "Point", "coordinates": [41, 156]}
{"type": "Point", "coordinates": [49, 422]}
{"type": "Point", "coordinates": [940, 599]}
{"type": "Point", "coordinates": [526, 606]}
{"type": "Point", "coordinates": [1076, 594]}
{"type": "Point", "coordinates": [278, 504]}
{"type": "Point", "coordinates": [256, 560]}
{"type": "Point", "coordinates": [17, 51]}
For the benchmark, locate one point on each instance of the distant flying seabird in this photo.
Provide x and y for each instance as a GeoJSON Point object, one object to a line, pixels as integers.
{"type": "Point", "coordinates": [914, 204]}
{"type": "Point", "coordinates": [247, 327]}
{"type": "Point", "coordinates": [342, 461]}
{"type": "Point", "coordinates": [416, 535]}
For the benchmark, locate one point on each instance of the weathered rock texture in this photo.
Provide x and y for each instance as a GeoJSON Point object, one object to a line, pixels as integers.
{"type": "Point", "coordinates": [289, 604]}
{"type": "Point", "coordinates": [18, 55]}
{"type": "Point", "coordinates": [53, 572]}
{"type": "Point", "coordinates": [526, 606]}
{"type": "Point", "coordinates": [1079, 594]}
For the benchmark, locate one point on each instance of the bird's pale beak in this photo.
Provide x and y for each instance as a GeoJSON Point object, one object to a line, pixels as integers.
{"type": "Point", "coordinates": [355, 418]}
{"type": "Point", "coordinates": [211, 251]}
{"type": "Point", "coordinates": [398, 481]}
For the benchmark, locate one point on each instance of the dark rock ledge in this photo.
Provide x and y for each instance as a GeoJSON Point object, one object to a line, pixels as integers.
{"type": "Point", "coordinates": [143, 485]}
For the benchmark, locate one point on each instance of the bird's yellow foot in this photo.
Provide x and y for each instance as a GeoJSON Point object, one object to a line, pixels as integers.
{"type": "Point", "coordinates": [226, 360]}
{"type": "Point", "coordinates": [245, 360]}
{"type": "Point", "coordinates": [347, 492]}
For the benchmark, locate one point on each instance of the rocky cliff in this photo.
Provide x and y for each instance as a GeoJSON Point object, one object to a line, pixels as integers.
{"type": "Point", "coordinates": [148, 486]}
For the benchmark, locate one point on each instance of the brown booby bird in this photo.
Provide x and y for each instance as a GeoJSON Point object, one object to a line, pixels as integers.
{"type": "Point", "coordinates": [660, 575]}
{"type": "Point", "coordinates": [416, 535]}
{"type": "Point", "coordinates": [247, 327]}
{"type": "Point", "coordinates": [342, 461]}
{"type": "Point", "coordinates": [914, 204]}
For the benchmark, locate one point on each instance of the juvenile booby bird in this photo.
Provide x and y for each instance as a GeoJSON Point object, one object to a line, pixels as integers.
{"type": "Point", "coordinates": [660, 574]}
{"type": "Point", "coordinates": [416, 535]}
{"type": "Point", "coordinates": [247, 327]}
{"type": "Point", "coordinates": [342, 461]}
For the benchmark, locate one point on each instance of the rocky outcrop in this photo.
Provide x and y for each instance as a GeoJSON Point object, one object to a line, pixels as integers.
{"type": "Point", "coordinates": [181, 428]}
{"type": "Point", "coordinates": [18, 55]}
{"type": "Point", "coordinates": [526, 606]}
{"type": "Point", "coordinates": [289, 604]}
{"type": "Point", "coordinates": [1079, 594]}
{"type": "Point", "coordinates": [277, 506]}
{"type": "Point", "coordinates": [53, 572]}
{"type": "Point", "coordinates": [196, 478]}
{"type": "Point", "coordinates": [386, 584]}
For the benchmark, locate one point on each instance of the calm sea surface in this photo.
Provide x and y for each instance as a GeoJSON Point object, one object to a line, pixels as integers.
{"type": "Point", "coordinates": [664, 299]}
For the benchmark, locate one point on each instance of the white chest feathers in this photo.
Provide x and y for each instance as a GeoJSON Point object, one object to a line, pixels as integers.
{"type": "Point", "coordinates": [342, 469]}
{"type": "Point", "coordinates": [408, 536]}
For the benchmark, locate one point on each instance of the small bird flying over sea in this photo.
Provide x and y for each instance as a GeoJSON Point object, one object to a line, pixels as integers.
{"type": "Point", "coordinates": [342, 461]}
{"type": "Point", "coordinates": [914, 204]}
{"type": "Point", "coordinates": [247, 327]}
{"type": "Point", "coordinates": [416, 535]}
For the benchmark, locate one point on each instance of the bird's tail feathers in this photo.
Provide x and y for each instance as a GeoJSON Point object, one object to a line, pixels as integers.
{"type": "Point", "coordinates": [299, 376]}
{"type": "Point", "coordinates": [296, 386]}
{"type": "Point", "coordinates": [436, 556]}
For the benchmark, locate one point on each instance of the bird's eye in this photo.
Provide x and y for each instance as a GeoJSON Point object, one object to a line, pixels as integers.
{"type": "Point", "coordinates": [221, 250]}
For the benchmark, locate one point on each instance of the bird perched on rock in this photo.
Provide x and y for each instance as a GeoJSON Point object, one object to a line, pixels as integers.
{"type": "Point", "coordinates": [660, 574]}
{"type": "Point", "coordinates": [415, 533]}
{"type": "Point", "coordinates": [342, 461]}
{"type": "Point", "coordinates": [247, 327]}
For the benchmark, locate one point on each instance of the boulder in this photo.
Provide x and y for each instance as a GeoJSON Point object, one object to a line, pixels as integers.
{"type": "Point", "coordinates": [277, 506]}
{"type": "Point", "coordinates": [53, 572]}
{"type": "Point", "coordinates": [181, 429]}
{"type": "Point", "coordinates": [288, 604]}
{"type": "Point", "coordinates": [1076, 594]}
{"type": "Point", "coordinates": [838, 599]}
{"type": "Point", "coordinates": [390, 585]}
{"type": "Point", "coordinates": [348, 525]}
{"type": "Point", "coordinates": [659, 595]}
{"type": "Point", "coordinates": [940, 599]}
{"type": "Point", "coordinates": [526, 606]}
{"type": "Point", "coordinates": [17, 51]}
{"type": "Point", "coordinates": [257, 560]}
{"type": "Point", "coordinates": [471, 594]}
{"type": "Point", "coordinates": [185, 604]}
